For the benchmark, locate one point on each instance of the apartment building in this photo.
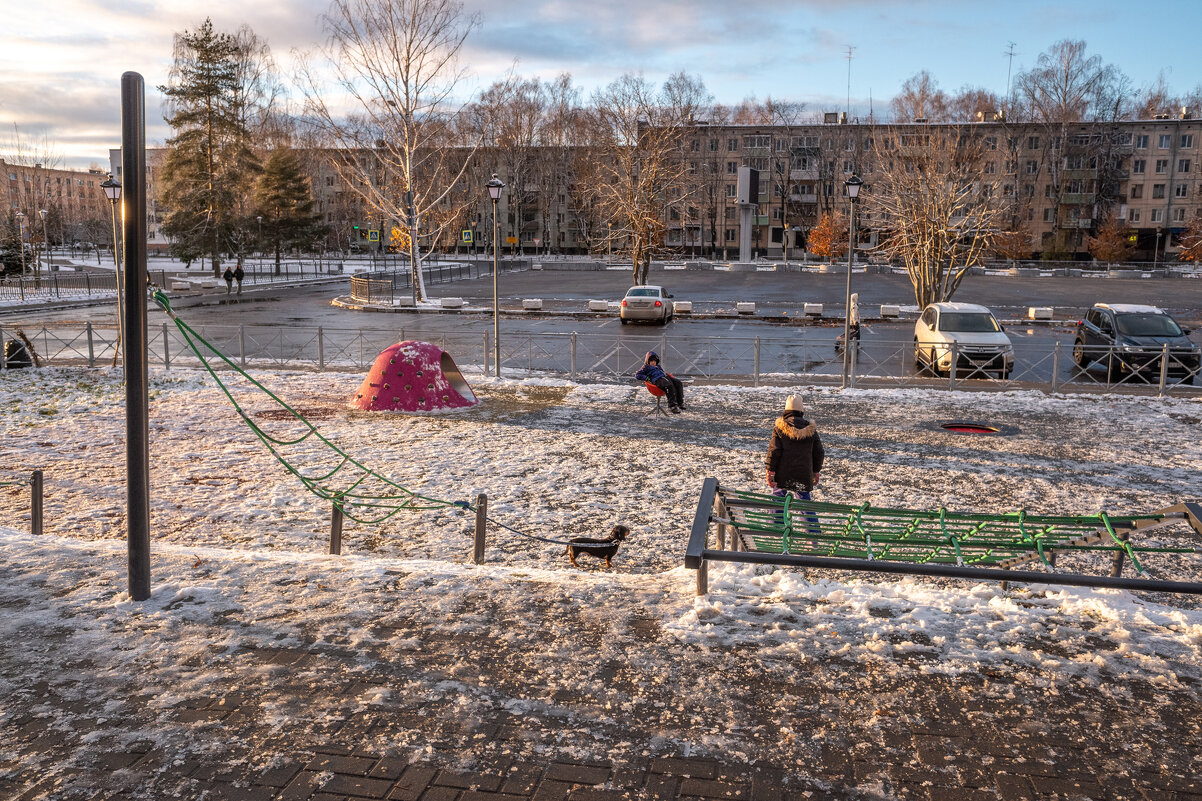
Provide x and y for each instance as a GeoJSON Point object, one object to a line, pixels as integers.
{"type": "Point", "coordinates": [73, 201]}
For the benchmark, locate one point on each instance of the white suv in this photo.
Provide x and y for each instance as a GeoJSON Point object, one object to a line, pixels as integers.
{"type": "Point", "coordinates": [968, 331]}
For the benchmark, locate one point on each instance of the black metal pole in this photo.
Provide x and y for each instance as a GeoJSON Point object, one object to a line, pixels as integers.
{"type": "Point", "coordinates": [137, 407]}
{"type": "Point", "coordinates": [336, 530]}
{"type": "Point", "coordinates": [35, 504]}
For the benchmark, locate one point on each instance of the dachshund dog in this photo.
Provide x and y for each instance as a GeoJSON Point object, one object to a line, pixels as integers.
{"type": "Point", "coordinates": [602, 549]}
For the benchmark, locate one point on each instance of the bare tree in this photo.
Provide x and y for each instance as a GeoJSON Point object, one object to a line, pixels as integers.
{"type": "Point", "coordinates": [920, 98]}
{"type": "Point", "coordinates": [1065, 87]}
{"type": "Point", "coordinates": [36, 155]}
{"type": "Point", "coordinates": [395, 63]}
{"type": "Point", "coordinates": [640, 172]}
{"type": "Point", "coordinates": [934, 205]}
{"type": "Point", "coordinates": [1112, 243]}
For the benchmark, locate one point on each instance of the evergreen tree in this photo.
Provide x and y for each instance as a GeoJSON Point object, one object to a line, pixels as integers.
{"type": "Point", "coordinates": [284, 200]}
{"type": "Point", "coordinates": [209, 164]}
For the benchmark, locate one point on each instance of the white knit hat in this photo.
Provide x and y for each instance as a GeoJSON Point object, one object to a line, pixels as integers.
{"type": "Point", "coordinates": [793, 404]}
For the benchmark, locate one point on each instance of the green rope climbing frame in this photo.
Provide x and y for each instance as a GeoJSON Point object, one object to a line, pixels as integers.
{"type": "Point", "coordinates": [773, 524]}
{"type": "Point", "coordinates": [362, 494]}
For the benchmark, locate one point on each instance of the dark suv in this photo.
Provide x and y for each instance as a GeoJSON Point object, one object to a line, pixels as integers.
{"type": "Point", "coordinates": [1131, 339]}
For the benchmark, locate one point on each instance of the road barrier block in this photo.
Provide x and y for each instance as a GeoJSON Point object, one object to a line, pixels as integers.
{"type": "Point", "coordinates": [1039, 312]}
{"type": "Point", "coordinates": [890, 310]}
{"type": "Point", "coordinates": [598, 305]}
{"type": "Point", "coordinates": [451, 303]}
{"type": "Point", "coordinates": [745, 307]}
{"type": "Point", "coordinates": [683, 307]}
{"type": "Point", "coordinates": [813, 310]}
{"type": "Point", "coordinates": [532, 303]}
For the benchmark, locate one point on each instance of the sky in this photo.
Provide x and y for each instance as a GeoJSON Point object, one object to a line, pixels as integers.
{"type": "Point", "coordinates": [61, 61]}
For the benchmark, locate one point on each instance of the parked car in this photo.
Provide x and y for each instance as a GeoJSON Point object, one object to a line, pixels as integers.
{"type": "Point", "coordinates": [968, 331]}
{"type": "Point", "coordinates": [646, 303]}
{"type": "Point", "coordinates": [1129, 338]}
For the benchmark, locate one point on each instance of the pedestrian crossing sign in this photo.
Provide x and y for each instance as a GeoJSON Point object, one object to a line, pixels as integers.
{"type": "Point", "coordinates": [466, 236]}
{"type": "Point", "coordinates": [373, 236]}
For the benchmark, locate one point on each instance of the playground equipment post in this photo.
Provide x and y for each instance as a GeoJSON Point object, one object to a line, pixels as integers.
{"type": "Point", "coordinates": [137, 406]}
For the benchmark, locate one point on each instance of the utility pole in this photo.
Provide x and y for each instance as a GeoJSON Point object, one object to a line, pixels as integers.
{"type": "Point", "coordinates": [850, 51]}
{"type": "Point", "coordinates": [1010, 65]}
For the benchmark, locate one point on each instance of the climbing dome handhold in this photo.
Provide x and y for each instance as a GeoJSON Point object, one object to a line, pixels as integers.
{"type": "Point", "coordinates": [390, 385]}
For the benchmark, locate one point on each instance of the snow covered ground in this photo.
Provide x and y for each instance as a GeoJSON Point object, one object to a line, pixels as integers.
{"type": "Point", "coordinates": [772, 665]}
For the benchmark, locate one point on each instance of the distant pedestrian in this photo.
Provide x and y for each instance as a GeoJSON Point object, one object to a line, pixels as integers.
{"type": "Point", "coordinates": [239, 274]}
{"type": "Point", "coordinates": [228, 275]}
{"type": "Point", "coordinates": [672, 386]}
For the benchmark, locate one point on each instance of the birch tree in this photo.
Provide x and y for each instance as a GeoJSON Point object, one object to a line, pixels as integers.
{"type": "Point", "coordinates": [933, 204]}
{"type": "Point", "coordinates": [391, 116]}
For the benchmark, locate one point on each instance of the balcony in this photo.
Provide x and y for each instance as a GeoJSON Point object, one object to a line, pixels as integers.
{"type": "Point", "coordinates": [800, 198]}
{"type": "Point", "coordinates": [1077, 198]}
{"type": "Point", "coordinates": [804, 175]}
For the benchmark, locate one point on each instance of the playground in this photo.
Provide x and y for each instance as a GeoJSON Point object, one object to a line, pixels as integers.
{"type": "Point", "coordinates": [260, 651]}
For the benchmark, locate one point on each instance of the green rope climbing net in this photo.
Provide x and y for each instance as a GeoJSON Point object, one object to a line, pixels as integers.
{"type": "Point", "coordinates": [787, 525]}
{"type": "Point", "coordinates": [362, 494]}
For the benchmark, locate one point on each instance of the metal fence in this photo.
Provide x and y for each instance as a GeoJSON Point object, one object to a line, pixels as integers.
{"type": "Point", "coordinates": [391, 287]}
{"type": "Point", "coordinates": [805, 356]}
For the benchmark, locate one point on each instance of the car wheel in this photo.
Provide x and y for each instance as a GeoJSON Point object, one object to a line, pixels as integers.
{"type": "Point", "coordinates": [1079, 355]}
{"type": "Point", "coordinates": [623, 320]}
{"type": "Point", "coordinates": [1004, 374]}
{"type": "Point", "coordinates": [934, 363]}
{"type": "Point", "coordinates": [917, 355]}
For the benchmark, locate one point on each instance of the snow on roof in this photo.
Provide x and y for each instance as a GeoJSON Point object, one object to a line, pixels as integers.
{"type": "Point", "coordinates": [1131, 308]}
{"type": "Point", "coordinates": [960, 307]}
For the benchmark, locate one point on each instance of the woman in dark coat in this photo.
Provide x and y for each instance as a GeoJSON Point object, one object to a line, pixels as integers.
{"type": "Point", "coordinates": [795, 453]}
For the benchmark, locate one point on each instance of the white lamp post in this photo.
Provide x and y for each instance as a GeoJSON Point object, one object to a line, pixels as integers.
{"type": "Point", "coordinates": [21, 236]}
{"type": "Point", "coordinates": [494, 191]}
{"type": "Point", "coordinates": [43, 213]}
{"type": "Point", "coordinates": [853, 185]}
{"type": "Point", "coordinates": [112, 191]}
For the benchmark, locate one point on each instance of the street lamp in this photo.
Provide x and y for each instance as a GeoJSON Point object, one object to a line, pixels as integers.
{"type": "Point", "coordinates": [260, 219]}
{"type": "Point", "coordinates": [21, 236]}
{"type": "Point", "coordinates": [853, 185]}
{"type": "Point", "coordinates": [112, 190]}
{"type": "Point", "coordinates": [43, 213]}
{"type": "Point", "coordinates": [494, 191]}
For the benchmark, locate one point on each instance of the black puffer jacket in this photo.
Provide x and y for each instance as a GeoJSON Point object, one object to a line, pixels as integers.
{"type": "Point", "coordinates": [795, 452]}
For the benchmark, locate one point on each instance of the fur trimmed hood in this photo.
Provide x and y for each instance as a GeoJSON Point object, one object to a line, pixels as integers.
{"type": "Point", "coordinates": [787, 429]}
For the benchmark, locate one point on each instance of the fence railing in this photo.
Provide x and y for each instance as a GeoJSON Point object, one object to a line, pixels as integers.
{"type": "Point", "coordinates": [396, 286]}
{"type": "Point", "coordinates": [800, 356]}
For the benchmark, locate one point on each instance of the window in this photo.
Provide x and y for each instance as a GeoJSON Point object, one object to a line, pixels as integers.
{"type": "Point", "coordinates": [1032, 143]}
{"type": "Point", "coordinates": [1011, 166]}
{"type": "Point", "coordinates": [850, 144]}
{"type": "Point", "coordinates": [730, 235]}
{"type": "Point", "coordinates": [990, 167]}
{"type": "Point", "coordinates": [732, 144]}
{"type": "Point", "coordinates": [1187, 140]}
{"type": "Point", "coordinates": [730, 212]}
{"type": "Point", "coordinates": [1047, 190]}
{"type": "Point", "coordinates": [730, 190]}
{"type": "Point", "coordinates": [732, 167]}
{"type": "Point", "coordinates": [758, 164]}
{"type": "Point", "coordinates": [1179, 215]}
{"type": "Point", "coordinates": [713, 145]}
{"type": "Point", "coordinates": [1157, 215]}
{"type": "Point", "coordinates": [1047, 215]}
{"type": "Point", "coordinates": [1141, 142]}
{"type": "Point", "coordinates": [1138, 166]}
{"type": "Point", "coordinates": [1162, 166]}
{"type": "Point", "coordinates": [991, 143]}
{"type": "Point", "coordinates": [757, 141]}
{"type": "Point", "coordinates": [1157, 191]}
{"type": "Point", "coordinates": [1181, 190]}
{"type": "Point", "coordinates": [1032, 167]}
{"type": "Point", "coordinates": [781, 145]}
{"type": "Point", "coordinates": [1028, 190]}
{"type": "Point", "coordinates": [1183, 165]}
{"type": "Point", "coordinates": [1137, 191]}
{"type": "Point", "coordinates": [1134, 215]}
{"type": "Point", "coordinates": [1008, 190]}
{"type": "Point", "coordinates": [1165, 142]}
{"type": "Point", "coordinates": [849, 166]}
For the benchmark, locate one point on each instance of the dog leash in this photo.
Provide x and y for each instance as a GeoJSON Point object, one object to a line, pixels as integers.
{"type": "Point", "coordinates": [582, 545]}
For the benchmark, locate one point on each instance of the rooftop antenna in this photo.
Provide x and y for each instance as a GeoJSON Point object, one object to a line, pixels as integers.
{"type": "Point", "coordinates": [870, 104]}
{"type": "Point", "coordinates": [850, 50]}
{"type": "Point", "coordinates": [1009, 52]}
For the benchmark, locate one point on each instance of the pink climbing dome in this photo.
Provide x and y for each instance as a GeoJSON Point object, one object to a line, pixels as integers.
{"type": "Point", "coordinates": [413, 376]}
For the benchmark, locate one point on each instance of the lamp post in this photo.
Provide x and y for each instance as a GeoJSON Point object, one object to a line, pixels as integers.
{"type": "Point", "coordinates": [853, 185]}
{"type": "Point", "coordinates": [260, 219]}
{"type": "Point", "coordinates": [43, 213]}
{"type": "Point", "coordinates": [21, 236]}
{"type": "Point", "coordinates": [494, 191]}
{"type": "Point", "coordinates": [112, 191]}
{"type": "Point", "coordinates": [1156, 250]}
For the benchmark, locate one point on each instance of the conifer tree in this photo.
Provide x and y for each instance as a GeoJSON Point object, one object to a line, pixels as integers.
{"type": "Point", "coordinates": [209, 166]}
{"type": "Point", "coordinates": [284, 200]}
